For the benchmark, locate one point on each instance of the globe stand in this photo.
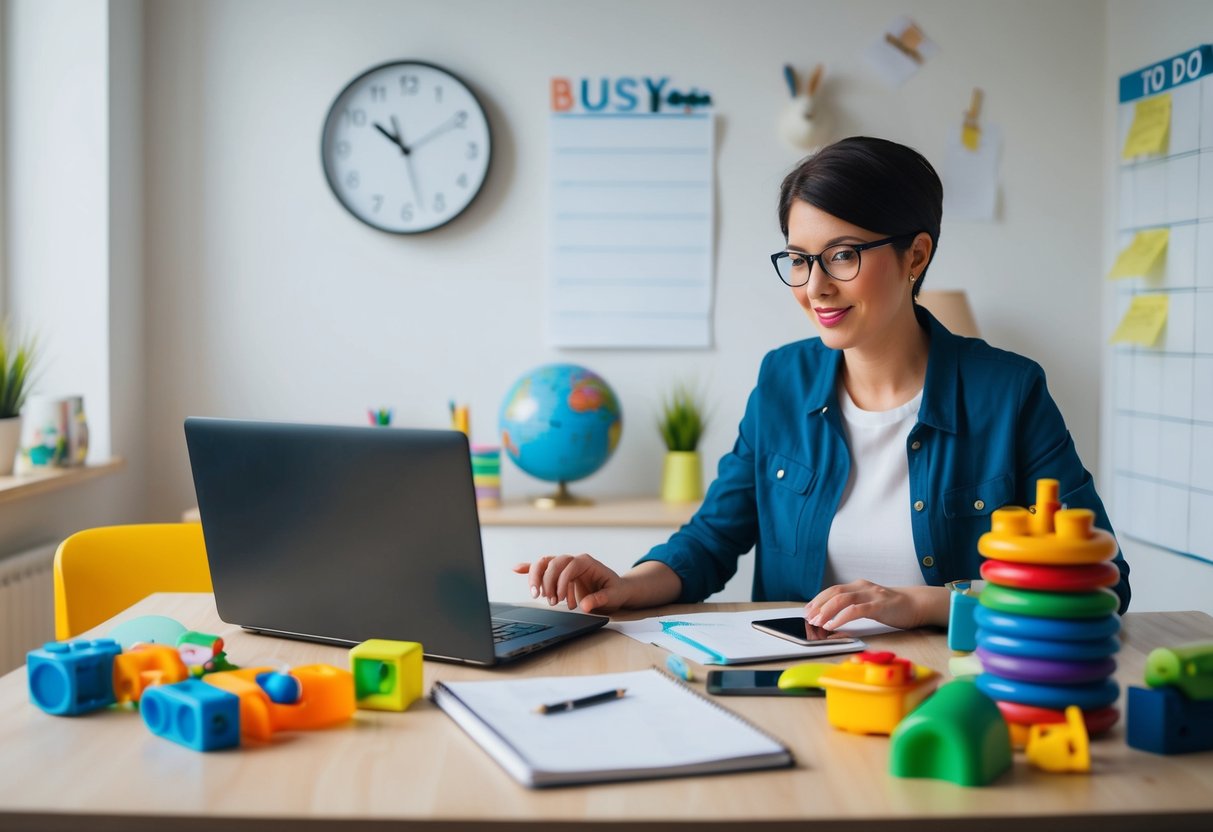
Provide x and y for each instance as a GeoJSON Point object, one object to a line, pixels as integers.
{"type": "Point", "coordinates": [561, 499]}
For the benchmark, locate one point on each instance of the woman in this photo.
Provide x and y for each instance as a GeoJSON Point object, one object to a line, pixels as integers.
{"type": "Point", "coordinates": [870, 458]}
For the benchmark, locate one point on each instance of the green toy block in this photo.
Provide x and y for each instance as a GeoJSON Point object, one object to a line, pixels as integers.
{"type": "Point", "coordinates": [957, 735]}
{"type": "Point", "coordinates": [1188, 667]}
{"type": "Point", "coordinates": [387, 674]}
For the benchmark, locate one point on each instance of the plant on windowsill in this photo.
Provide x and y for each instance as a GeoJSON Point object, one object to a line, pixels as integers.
{"type": "Point", "coordinates": [18, 356]}
{"type": "Point", "coordinates": [682, 422]}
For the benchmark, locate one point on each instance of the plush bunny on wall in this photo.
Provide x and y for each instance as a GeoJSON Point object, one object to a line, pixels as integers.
{"type": "Point", "coordinates": [801, 123]}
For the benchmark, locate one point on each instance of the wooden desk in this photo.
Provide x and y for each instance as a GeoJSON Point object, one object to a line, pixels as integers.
{"type": "Point", "coordinates": [417, 770]}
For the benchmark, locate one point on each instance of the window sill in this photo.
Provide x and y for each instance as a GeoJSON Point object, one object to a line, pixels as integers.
{"type": "Point", "coordinates": [54, 479]}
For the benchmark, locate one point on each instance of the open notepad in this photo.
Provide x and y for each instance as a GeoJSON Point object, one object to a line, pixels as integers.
{"type": "Point", "coordinates": [659, 728]}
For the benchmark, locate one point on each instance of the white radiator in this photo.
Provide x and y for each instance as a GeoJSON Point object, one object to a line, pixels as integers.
{"type": "Point", "coordinates": [27, 604]}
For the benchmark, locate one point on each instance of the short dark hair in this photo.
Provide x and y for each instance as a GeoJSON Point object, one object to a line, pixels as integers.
{"type": "Point", "coordinates": [877, 184]}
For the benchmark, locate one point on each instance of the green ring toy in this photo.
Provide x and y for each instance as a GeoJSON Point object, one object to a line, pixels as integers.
{"type": "Point", "coordinates": [1049, 604]}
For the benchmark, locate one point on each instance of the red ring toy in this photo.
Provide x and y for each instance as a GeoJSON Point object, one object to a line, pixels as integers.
{"type": "Point", "coordinates": [1053, 578]}
{"type": "Point", "coordinates": [1097, 720]}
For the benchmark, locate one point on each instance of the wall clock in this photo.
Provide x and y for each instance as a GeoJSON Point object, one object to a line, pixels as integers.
{"type": "Point", "coordinates": [406, 147]}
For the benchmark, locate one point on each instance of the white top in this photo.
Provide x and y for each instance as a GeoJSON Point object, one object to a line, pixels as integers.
{"type": "Point", "coordinates": [870, 537]}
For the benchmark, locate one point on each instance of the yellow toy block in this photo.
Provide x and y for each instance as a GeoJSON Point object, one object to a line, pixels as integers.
{"type": "Point", "coordinates": [872, 692]}
{"type": "Point", "coordinates": [1064, 747]}
{"type": "Point", "coordinates": [387, 674]}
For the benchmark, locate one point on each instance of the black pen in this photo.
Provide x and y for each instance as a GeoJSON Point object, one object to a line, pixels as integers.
{"type": "Point", "coordinates": [583, 702]}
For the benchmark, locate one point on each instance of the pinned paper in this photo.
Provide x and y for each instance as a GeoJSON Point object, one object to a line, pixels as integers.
{"type": "Point", "coordinates": [970, 177]}
{"type": "Point", "coordinates": [1151, 127]}
{"type": "Point", "coordinates": [900, 52]}
{"type": "Point", "coordinates": [1143, 321]}
{"type": "Point", "coordinates": [970, 132]}
{"type": "Point", "coordinates": [1143, 256]}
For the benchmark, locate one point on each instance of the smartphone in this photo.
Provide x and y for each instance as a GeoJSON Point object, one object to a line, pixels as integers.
{"type": "Point", "coordinates": [753, 683]}
{"type": "Point", "coordinates": [800, 631]}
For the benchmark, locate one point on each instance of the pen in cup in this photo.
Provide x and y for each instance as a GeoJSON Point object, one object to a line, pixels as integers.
{"type": "Point", "coordinates": [583, 702]}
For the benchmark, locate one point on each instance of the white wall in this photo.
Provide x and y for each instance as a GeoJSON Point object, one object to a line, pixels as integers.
{"type": "Point", "coordinates": [1138, 34]}
{"type": "Point", "coordinates": [266, 299]}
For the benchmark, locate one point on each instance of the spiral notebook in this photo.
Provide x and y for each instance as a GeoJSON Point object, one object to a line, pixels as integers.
{"type": "Point", "coordinates": [659, 728]}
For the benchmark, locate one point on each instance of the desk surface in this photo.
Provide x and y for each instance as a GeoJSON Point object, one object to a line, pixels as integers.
{"type": "Point", "coordinates": [418, 770]}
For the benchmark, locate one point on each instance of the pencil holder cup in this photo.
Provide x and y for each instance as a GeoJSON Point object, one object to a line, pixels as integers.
{"type": "Point", "coordinates": [486, 475]}
{"type": "Point", "coordinates": [45, 424]}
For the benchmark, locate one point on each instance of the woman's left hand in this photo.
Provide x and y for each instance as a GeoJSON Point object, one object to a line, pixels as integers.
{"type": "Point", "coordinates": [902, 607]}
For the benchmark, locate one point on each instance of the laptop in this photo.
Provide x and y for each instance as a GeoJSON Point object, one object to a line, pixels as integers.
{"type": "Point", "coordinates": [342, 534]}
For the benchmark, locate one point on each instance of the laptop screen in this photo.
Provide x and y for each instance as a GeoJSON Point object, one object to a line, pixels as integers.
{"type": "Point", "coordinates": [342, 534]}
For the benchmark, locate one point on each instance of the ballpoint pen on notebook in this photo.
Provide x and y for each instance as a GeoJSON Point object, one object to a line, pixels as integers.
{"type": "Point", "coordinates": [583, 702]}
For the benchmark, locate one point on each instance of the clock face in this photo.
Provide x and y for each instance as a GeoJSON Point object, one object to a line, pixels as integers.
{"type": "Point", "coordinates": [406, 147]}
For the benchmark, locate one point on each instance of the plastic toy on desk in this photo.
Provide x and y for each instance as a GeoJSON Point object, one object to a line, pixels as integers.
{"type": "Point", "coordinates": [144, 666]}
{"type": "Point", "coordinates": [68, 678]}
{"type": "Point", "coordinates": [957, 735]}
{"type": "Point", "coordinates": [387, 674]}
{"type": "Point", "coordinates": [1188, 667]}
{"type": "Point", "coordinates": [203, 653]}
{"type": "Point", "coordinates": [1064, 747]}
{"type": "Point", "coordinates": [327, 698]}
{"type": "Point", "coordinates": [1175, 714]}
{"type": "Point", "coordinates": [871, 692]}
{"type": "Point", "coordinates": [194, 714]}
{"type": "Point", "coordinates": [962, 628]}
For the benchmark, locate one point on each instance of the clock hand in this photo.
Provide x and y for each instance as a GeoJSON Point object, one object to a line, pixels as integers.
{"type": "Point", "coordinates": [457, 119]}
{"type": "Point", "coordinates": [393, 137]}
{"type": "Point", "coordinates": [408, 163]}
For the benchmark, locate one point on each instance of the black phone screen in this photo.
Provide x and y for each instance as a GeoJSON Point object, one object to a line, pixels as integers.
{"type": "Point", "coordinates": [753, 683]}
{"type": "Point", "coordinates": [799, 630]}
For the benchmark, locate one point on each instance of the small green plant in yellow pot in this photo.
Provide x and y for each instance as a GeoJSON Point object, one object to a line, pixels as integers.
{"type": "Point", "coordinates": [682, 423]}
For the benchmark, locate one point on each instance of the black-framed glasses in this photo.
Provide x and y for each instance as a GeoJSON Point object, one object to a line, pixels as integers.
{"type": "Point", "coordinates": [839, 262]}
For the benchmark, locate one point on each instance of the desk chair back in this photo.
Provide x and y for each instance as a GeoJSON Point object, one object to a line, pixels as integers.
{"type": "Point", "coordinates": [100, 572]}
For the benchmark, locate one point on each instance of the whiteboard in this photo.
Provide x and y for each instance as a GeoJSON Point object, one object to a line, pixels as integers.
{"type": "Point", "coordinates": [1161, 403]}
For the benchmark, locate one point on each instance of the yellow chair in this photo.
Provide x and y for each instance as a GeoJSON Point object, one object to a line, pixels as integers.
{"type": "Point", "coordinates": [100, 572]}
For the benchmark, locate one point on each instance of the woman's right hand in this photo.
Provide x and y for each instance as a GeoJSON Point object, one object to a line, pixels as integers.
{"type": "Point", "coordinates": [579, 580]}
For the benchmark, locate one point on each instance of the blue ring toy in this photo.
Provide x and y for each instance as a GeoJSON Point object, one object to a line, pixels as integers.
{"type": "Point", "coordinates": [1030, 648]}
{"type": "Point", "coordinates": [1053, 629]}
{"type": "Point", "coordinates": [1055, 697]}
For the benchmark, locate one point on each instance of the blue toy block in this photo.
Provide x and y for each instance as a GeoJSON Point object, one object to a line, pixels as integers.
{"type": "Point", "coordinates": [1164, 721]}
{"type": "Point", "coordinates": [962, 623]}
{"type": "Point", "coordinates": [67, 678]}
{"type": "Point", "coordinates": [192, 713]}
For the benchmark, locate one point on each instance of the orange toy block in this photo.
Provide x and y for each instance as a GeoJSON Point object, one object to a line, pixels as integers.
{"type": "Point", "coordinates": [327, 699]}
{"type": "Point", "coordinates": [145, 665]}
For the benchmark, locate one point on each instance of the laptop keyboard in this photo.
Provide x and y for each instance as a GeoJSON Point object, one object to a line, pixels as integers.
{"type": "Point", "coordinates": [506, 630]}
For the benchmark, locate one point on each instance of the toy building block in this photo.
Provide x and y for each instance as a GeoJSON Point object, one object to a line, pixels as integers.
{"type": "Point", "coordinates": [145, 665]}
{"type": "Point", "coordinates": [962, 626]}
{"type": "Point", "coordinates": [326, 698]}
{"type": "Point", "coordinates": [1164, 721]}
{"type": "Point", "coordinates": [192, 713]}
{"type": "Point", "coordinates": [1060, 747]}
{"type": "Point", "coordinates": [387, 674]}
{"type": "Point", "coordinates": [1188, 667]}
{"type": "Point", "coordinates": [855, 703]}
{"type": "Point", "coordinates": [957, 735]}
{"type": "Point", "coordinates": [67, 678]}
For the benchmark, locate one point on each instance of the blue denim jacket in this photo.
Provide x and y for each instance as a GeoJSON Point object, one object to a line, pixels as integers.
{"type": "Point", "coordinates": [987, 430]}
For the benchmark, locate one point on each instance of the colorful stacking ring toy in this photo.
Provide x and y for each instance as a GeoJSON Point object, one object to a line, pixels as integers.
{"type": "Point", "coordinates": [1053, 578]}
{"type": "Point", "coordinates": [1098, 720]}
{"type": "Point", "coordinates": [1053, 629]}
{"type": "Point", "coordinates": [1076, 540]}
{"type": "Point", "coordinates": [1081, 651]}
{"type": "Point", "coordinates": [1054, 697]}
{"type": "Point", "coordinates": [1095, 604]}
{"type": "Point", "coordinates": [1045, 671]}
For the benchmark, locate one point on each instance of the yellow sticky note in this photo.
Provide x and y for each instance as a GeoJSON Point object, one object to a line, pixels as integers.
{"type": "Point", "coordinates": [1142, 256]}
{"type": "Point", "coordinates": [970, 137]}
{"type": "Point", "coordinates": [1143, 321]}
{"type": "Point", "coordinates": [1151, 127]}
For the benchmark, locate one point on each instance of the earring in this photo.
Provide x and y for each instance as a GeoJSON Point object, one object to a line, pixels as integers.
{"type": "Point", "coordinates": [911, 277]}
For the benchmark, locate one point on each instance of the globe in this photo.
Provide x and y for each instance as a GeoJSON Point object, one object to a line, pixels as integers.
{"type": "Point", "coordinates": [560, 422]}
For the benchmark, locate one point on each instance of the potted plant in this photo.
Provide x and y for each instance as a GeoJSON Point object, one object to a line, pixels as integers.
{"type": "Point", "coordinates": [17, 359]}
{"type": "Point", "coordinates": [682, 422]}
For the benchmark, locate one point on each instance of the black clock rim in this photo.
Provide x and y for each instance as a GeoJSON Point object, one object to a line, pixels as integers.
{"type": "Point", "coordinates": [324, 129]}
